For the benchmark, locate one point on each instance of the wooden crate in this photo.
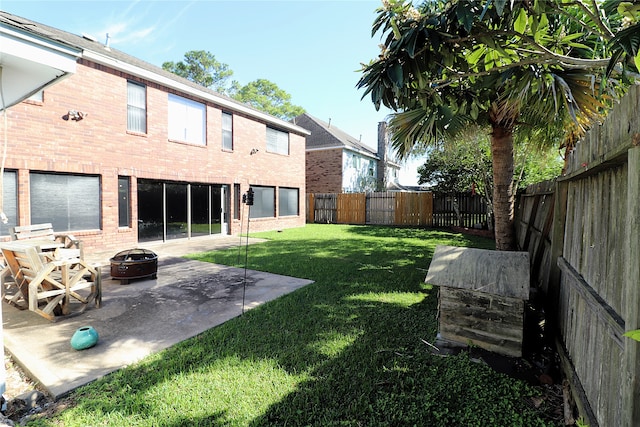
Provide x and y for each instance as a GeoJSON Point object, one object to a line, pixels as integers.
{"type": "Point", "coordinates": [482, 297]}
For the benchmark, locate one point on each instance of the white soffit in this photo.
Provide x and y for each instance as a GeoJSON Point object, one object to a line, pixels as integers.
{"type": "Point", "coordinates": [30, 63]}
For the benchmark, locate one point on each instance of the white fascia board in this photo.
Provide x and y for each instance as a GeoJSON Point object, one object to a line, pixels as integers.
{"type": "Point", "coordinates": [363, 153]}
{"type": "Point", "coordinates": [30, 63]}
{"type": "Point", "coordinates": [342, 147]}
{"type": "Point", "coordinates": [165, 81]}
{"type": "Point", "coordinates": [335, 147]}
{"type": "Point", "coordinates": [38, 50]}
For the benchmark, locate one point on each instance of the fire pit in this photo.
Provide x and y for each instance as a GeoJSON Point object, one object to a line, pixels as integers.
{"type": "Point", "coordinates": [134, 264]}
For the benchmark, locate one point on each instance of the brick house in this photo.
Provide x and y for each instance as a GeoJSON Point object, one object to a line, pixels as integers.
{"type": "Point", "coordinates": [122, 152]}
{"type": "Point", "coordinates": [336, 162]}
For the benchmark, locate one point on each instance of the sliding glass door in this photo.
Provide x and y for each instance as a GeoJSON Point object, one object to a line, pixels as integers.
{"type": "Point", "coordinates": [180, 210]}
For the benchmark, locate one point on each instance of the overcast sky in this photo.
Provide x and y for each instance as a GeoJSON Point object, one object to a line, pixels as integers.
{"type": "Point", "coordinates": [310, 48]}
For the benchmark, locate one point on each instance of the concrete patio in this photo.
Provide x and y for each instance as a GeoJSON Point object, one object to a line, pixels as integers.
{"type": "Point", "coordinates": [141, 318]}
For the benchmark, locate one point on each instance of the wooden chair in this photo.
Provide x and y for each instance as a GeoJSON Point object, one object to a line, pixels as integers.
{"type": "Point", "coordinates": [67, 243]}
{"type": "Point", "coordinates": [51, 288]}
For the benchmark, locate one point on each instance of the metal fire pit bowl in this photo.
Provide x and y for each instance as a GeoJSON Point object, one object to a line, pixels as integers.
{"type": "Point", "coordinates": [134, 264]}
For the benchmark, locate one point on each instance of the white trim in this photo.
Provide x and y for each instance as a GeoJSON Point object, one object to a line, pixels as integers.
{"type": "Point", "coordinates": [342, 147]}
{"type": "Point", "coordinates": [35, 40]}
{"type": "Point", "coordinates": [336, 147]}
{"type": "Point", "coordinates": [181, 87]}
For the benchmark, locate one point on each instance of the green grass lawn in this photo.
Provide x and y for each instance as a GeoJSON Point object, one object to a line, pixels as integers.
{"type": "Point", "coordinates": [346, 350]}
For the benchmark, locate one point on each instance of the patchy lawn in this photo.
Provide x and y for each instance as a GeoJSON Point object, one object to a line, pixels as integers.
{"type": "Point", "coordinates": [347, 350]}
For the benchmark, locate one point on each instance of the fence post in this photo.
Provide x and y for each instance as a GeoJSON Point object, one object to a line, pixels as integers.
{"type": "Point", "coordinates": [311, 208]}
{"type": "Point", "coordinates": [557, 242]}
{"type": "Point", "coordinates": [631, 364]}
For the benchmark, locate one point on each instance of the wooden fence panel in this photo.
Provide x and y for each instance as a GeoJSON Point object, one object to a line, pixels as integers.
{"type": "Point", "coordinates": [534, 219]}
{"type": "Point", "coordinates": [415, 209]}
{"type": "Point", "coordinates": [418, 209]}
{"type": "Point", "coordinates": [459, 209]}
{"type": "Point", "coordinates": [594, 289]}
{"type": "Point", "coordinates": [352, 208]}
{"type": "Point", "coordinates": [381, 208]}
{"type": "Point", "coordinates": [325, 209]}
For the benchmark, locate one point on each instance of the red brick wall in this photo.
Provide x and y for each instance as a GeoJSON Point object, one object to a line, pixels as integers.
{"type": "Point", "coordinates": [39, 139]}
{"type": "Point", "coordinates": [324, 171]}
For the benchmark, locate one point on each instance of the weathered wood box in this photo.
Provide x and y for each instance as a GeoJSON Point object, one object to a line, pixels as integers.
{"type": "Point", "coordinates": [482, 297]}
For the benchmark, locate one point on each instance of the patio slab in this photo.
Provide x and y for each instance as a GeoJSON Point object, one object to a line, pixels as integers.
{"type": "Point", "coordinates": [139, 319]}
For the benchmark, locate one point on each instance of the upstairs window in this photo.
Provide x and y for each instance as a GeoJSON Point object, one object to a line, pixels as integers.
{"type": "Point", "coordinates": [187, 120]}
{"type": "Point", "coordinates": [277, 141]}
{"type": "Point", "coordinates": [227, 131]}
{"type": "Point", "coordinates": [136, 107]}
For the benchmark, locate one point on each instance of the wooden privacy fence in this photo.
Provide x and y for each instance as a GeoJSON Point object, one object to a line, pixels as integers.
{"type": "Point", "coordinates": [397, 208]}
{"type": "Point", "coordinates": [583, 237]}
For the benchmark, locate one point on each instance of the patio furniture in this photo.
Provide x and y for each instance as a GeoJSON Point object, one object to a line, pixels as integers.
{"type": "Point", "coordinates": [48, 287]}
{"type": "Point", "coordinates": [66, 244]}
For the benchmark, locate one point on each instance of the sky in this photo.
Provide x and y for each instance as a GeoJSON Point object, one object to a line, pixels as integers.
{"type": "Point", "coordinates": [312, 49]}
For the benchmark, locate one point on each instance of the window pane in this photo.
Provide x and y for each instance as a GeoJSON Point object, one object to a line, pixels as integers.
{"type": "Point", "coordinates": [9, 201]}
{"type": "Point", "coordinates": [263, 202]}
{"type": "Point", "coordinates": [186, 120]}
{"type": "Point", "coordinates": [136, 107]}
{"type": "Point", "coordinates": [237, 198]}
{"type": "Point", "coordinates": [176, 203]}
{"type": "Point", "coordinates": [150, 211]}
{"type": "Point", "coordinates": [227, 131]}
{"type": "Point", "coordinates": [200, 213]}
{"type": "Point", "coordinates": [76, 205]}
{"type": "Point", "coordinates": [124, 216]}
{"type": "Point", "coordinates": [288, 201]}
{"type": "Point", "coordinates": [38, 96]}
{"type": "Point", "coordinates": [277, 141]}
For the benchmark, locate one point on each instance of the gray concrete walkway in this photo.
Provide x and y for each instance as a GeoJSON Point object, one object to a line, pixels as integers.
{"type": "Point", "coordinates": [141, 318]}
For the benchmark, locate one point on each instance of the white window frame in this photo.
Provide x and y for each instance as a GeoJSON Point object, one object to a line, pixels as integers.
{"type": "Point", "coordinates": [187, 120]}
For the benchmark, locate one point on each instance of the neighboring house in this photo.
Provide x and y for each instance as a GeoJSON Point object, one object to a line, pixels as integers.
{"type": "Point", "coordinates": [123, 152]}
{"type": "Point", "coordinates": [339, 163]}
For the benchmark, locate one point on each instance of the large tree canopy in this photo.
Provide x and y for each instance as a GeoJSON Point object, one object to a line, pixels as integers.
{"type": "Point", "coordinates": [201, 67]}
{"type": "Point", "coordinates": [266, 96]}
{"type": "Point", "coordinates": [525, 66]}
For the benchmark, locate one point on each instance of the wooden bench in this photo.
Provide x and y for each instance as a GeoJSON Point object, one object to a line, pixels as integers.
{"type": "Point", "coordinates": [66, 244]}
{"type": "Point", "coordinates": [50, 288]}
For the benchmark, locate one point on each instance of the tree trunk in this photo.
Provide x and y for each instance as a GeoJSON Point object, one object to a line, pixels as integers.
{"type": "Point", "coordinates": [503, 200]}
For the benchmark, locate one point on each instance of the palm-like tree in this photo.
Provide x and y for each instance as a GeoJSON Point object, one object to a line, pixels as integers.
{"type": "Point", "coordinates": [530, 67]}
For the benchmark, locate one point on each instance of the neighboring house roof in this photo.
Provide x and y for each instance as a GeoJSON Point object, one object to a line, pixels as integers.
{"type": "Point", "coordinates": [327, 136]}
{"type": "Point", "coordinates": [105, 55]}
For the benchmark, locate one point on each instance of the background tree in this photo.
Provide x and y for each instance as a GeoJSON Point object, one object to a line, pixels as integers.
{"type": "Point", "coordinates": [465, 165]}
{"type": "Point", "coordinates": [532, 67]}
{"type": "Point", "coordinates": [266, 96]}
{"type": "Point", "coordinates": [203, 68]}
